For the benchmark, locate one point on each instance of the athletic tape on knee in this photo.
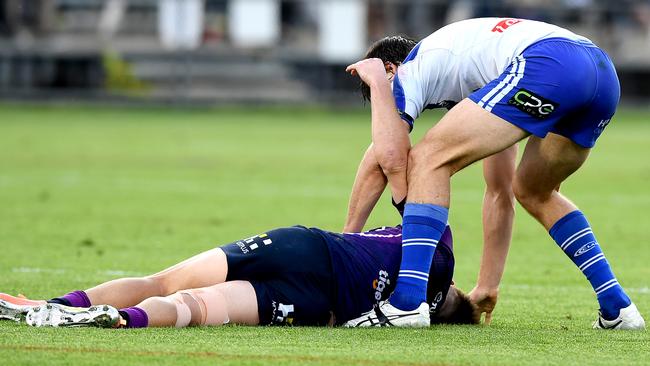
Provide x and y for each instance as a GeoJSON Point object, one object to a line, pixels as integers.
{"type": "Point", "coordinates": [214, 306]}
{"type": "Point", "coordinates": [200, 307]}
{"type": "Point", "coordinates": [183, 312]}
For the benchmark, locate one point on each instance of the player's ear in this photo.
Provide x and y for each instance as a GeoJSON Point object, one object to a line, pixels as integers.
{"type": "Point", "coordinates": [391, 69]}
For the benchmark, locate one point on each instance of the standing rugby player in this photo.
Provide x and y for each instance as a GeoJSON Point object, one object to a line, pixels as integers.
{"type": "Point", "coordinates": [503, 80]}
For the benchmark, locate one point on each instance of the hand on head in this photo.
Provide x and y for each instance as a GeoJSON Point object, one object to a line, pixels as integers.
{"type": "Point", "coordinates": [370, 70]}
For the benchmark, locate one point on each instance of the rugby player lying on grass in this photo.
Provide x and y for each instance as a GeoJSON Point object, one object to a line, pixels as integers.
{"type": "Point", "coordinates": [293, 275]}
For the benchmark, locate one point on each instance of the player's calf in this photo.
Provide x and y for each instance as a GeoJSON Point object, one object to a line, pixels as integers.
{"type": "Point", "coordinates": [574, 236]}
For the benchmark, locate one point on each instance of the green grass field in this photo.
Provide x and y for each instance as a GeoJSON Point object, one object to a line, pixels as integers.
{"type": "Point", "coordinates": [91, 194]}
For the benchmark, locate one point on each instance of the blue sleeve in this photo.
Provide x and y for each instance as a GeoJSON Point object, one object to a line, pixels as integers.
{"type": "Point", "coordinates": [400, 102]}
{"type": "Point", "coordinates": [406, 118]}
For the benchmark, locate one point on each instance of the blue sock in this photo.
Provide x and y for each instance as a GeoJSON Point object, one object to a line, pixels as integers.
{"type": "Point", "coordinates": [423, 227]}
{"type": "Point", "coordinates": [574, 236]}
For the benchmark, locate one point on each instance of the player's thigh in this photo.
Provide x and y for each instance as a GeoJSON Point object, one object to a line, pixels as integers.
{"type": "Point", "coordinates": [240, 301]}
{"type": "Point", "coordinates": [254, 257]}
{"type": "Point", "coordinates": [202, 270]}
{"type": "Point", "coordinates": [465, 134]}
{"type": "Point", "coordinates": [546, 163]}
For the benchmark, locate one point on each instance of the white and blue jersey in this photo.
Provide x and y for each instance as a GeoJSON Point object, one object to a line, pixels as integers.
{"type": "Point", "coordinates": [538, 76]}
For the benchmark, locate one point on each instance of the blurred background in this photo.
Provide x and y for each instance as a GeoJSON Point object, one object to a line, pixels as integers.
{"type": "Point", "coordinates": [135, 133]}
{"type": "Point", "coordinates": [213, 52]}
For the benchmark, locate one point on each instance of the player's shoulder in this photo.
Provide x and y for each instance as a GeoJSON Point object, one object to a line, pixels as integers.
{"type": "Point", "coordinates": [465, 26]}
{"type": "Point", "coordinates": [451, 35]}
{"type": "Point", "coordinates": [446, 38]}
{"type": "Point", "coordinates": [488, 25]}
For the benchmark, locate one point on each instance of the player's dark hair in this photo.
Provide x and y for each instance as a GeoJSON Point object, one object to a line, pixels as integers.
{"type": "Point", "coordinates": [464, 311]}
{"type": "Point", "coordinates": [393, 49]}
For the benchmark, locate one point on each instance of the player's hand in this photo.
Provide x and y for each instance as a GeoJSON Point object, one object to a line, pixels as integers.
{"type": "Point", "coordinates": [370, 70]}
{"type": "Point", "coordinates": [485, 301]}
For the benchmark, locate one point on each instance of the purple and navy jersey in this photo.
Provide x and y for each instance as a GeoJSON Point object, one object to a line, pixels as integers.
{"type": "Point", "coordinates": [365, 267]}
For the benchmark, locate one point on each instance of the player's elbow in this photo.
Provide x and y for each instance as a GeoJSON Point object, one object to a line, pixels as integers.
{"type": "Point", "coordinates": [392, 160]}
{"type": "Point", "coordinates": [500, 195]}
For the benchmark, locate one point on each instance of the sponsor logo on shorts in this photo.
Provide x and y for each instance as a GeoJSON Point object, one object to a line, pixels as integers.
{"type": "Point", "coordinates": [601, 126]}
{"type": "Point", "coordinates": [380, 284]}
{"type": "Point", "coordinates": [436, 301]}
{"type": "Point", "coordinates": [505, 24]}
{"type": "Point", "coordinates": [533, 104]}
{"type": "Point", "coordinates": [254, 242]}
{"type": "Point", "coordinates": [282, 313]}
{"type": "Point", "coordinates": [242, 247]}
{"type": "Point", "coordinates": [585, 248]}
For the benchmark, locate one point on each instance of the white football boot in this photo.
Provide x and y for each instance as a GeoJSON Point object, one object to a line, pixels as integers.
{"type": "Point", "coordinates": [16, 307]}
{"type": "Point", "coordinates": [12, 311]}
{"type": "Point", "coordinates": [629, 319]}
{"type": "Point", "coordinates": [55, 315]}
{"type": "Point", "coordinates": [386, 315]}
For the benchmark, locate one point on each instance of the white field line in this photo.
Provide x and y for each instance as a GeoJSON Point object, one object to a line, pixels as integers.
{"type": "Point", "coordinates": [61, 271]}
{"type": "Point", "coordinates": [559, 288]}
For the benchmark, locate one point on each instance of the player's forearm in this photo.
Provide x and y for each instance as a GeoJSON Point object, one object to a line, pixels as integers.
{"type": "Point", "coordinates": [498, 217]}
{"type": "Point", "coordinates": [397, 181]}
{"type": "Point", "coordinates": [368, 186]}
{"type": "Point", "coordinates": [390, 138]}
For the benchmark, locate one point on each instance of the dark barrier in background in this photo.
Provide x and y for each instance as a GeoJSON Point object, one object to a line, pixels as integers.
{"type": "Point", "coordinates": [111, 49]}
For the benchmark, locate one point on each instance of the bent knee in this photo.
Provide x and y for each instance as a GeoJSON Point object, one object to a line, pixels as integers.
{"type": "Point", "coordinates": [529, 196]}
{"type": "Point", "coordinates": [429, 157]}
{"type": "Point", "coordinates": [200, 307]}
{"type": "Point", "coordinates": [162, 285]}
{"type": "Point", "coordinates": [501, 195]}
{"type": "Point", "coordinates": [521, 192]}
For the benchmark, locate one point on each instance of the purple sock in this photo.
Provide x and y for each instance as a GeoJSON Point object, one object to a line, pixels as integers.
{"type": "Point", "coordinates": [77, 299]}
{"type": "Point", "coordinates": [135, 317]}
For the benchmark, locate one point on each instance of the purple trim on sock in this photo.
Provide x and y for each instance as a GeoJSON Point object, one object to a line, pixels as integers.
{"type": "Point", "coordinates": [137, 318]}
{"type": "Point", "coordinates": [77, 299]}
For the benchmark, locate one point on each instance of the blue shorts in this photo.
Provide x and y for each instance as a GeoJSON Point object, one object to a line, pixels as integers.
{"type": "Point", "coordinates": [556, 85]}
